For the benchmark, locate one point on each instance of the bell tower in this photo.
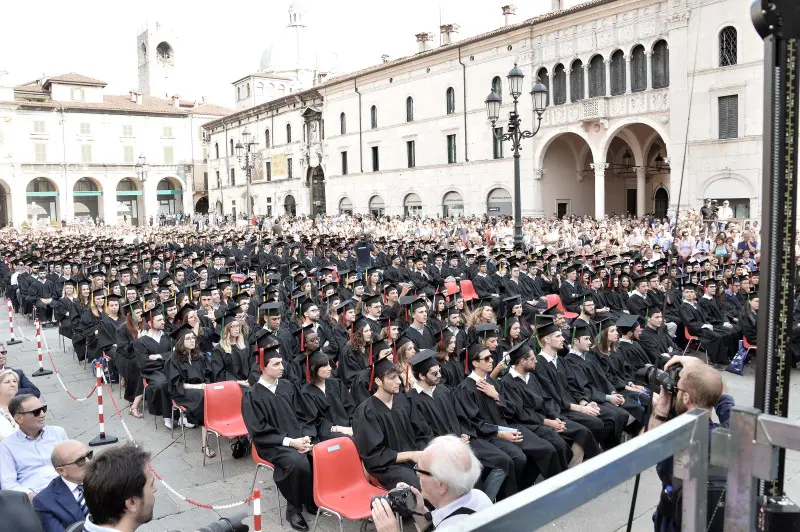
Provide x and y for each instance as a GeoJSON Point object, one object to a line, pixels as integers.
{"type": "Point", "coordinates": [155, 49]}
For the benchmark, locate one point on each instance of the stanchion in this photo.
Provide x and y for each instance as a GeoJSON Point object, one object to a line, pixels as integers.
{"type": "Point", "coordinates": [41, 371]}
{"type": "Point", "coordinates": [103, 438]}
{"type": "Point", "coordinates": [257, 510]}
{"type": "Point", "coordinates": [12, 340]}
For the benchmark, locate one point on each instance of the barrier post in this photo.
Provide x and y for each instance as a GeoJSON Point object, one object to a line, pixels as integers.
{"type": "Point", "coordinates": [257, 510]}
{"type": "Point", "coordinates": [103, 438]}
{"type": "Point", "coordinates": [12, 340]}
{"type": "Point", "coordinates": [41, 371]}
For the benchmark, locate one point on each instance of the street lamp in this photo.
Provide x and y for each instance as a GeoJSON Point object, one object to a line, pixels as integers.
{"type": "Point", "coordinates": [245, 151]}
{"type": "Point", "coordinates": [142, 169]}
{"type": "Point", "coordinates": [515, 134]}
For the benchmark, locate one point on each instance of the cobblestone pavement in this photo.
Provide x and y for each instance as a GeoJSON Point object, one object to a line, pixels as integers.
{"type": "Point", "coordinates": [184, 471]}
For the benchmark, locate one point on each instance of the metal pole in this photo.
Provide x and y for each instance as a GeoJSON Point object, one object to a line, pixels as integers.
{"type": "Point", "coordinates": [517, 196]}
{"type": "Point", "coordinates": [247, 164]}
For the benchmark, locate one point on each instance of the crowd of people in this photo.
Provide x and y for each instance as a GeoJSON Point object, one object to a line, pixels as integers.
{"type": "Point", "coordinates": [394, 331]}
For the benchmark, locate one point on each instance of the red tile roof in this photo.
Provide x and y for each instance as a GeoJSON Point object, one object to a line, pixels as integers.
{"type": "Point", "coordinates": [77, 79]}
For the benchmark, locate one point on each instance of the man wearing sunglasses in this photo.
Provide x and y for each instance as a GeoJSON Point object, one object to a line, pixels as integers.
{"type": "Point", "coordinates": [61, 503]}
{"type": "Point", "coordinates": [25, 463]}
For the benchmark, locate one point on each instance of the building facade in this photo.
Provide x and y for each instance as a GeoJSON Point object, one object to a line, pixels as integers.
{"type": "Point", "coordinates": [633, 85]}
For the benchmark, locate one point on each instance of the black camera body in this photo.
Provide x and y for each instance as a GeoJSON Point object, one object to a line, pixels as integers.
{"type": "Point", "coordinates": [401, 500]}
{"type": "Point", "coordinates": [654, 378]}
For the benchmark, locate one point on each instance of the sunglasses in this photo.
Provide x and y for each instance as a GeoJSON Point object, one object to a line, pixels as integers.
{"type": "Point", "coordinates": [37, 412]}
{"type": "Point", "coordinates": [82, 460]}
{"type": "Point", "coordinates": [3, 352]}
{"type": "Point", "coordinates": [419, 471]}
{"type": "Point", "coordinates": [486, 358]}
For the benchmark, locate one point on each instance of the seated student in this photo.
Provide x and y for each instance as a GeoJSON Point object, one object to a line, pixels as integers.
{"type": "Point", "coordinates": [327, 404]}
{"type": "Point", "coordinates": [436, 412]}
{"type": "Point", "coordinates": [364, 383]}
{"type": "Point", "coordinates": [655, 339]}
{"type": "Point", "coordinates": [152, 351]}
{"type": "Point", "coordinates": [748, 320]}
{"type": "Point", "coordinates": [525, 394]}
{"type": "Point", "coordinates": [356, 355]}
{"type": "Point", "coordinates": [274, 418]}
{"type": "Point", "coordinates": [383, 433]}
{"type": "Point", "coordinates": [479, 396]}
{"type": "Point", "coordinates": [188, 371]}
{"type": "Point", "coordinates": [230, 359]}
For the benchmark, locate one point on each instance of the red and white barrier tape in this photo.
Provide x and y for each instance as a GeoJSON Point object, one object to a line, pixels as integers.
{"type": "Point", "coordinates": [60, 380]}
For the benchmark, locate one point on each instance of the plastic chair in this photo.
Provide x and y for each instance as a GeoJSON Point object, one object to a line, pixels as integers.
{"type": "Point", "coordinates": [452, 288]}
{"type": "Point", "coordinates": [747, 345]}
{"type": "Point", "coordinates": [554, 300]}
{"type": "Point", "coordinates": [338, 488]}
{"type": "Point", "coordinates": [690, 339]}
{"type": "Point", "coordinates": [181, 412]}
{"type": "Point", "coordinates": [223, 413]}
{"type": "Point", "coordinates": [468, 290]}
{"type": "Point", "coordinates": [263, 464]}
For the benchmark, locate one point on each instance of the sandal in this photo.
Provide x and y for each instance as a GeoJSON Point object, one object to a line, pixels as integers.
{"type": "Point", "coordinates": [208, 452]}
{"type": "Point", "coordinates": [136, 413]}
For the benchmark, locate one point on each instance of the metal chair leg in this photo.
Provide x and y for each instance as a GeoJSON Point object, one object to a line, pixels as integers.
{"type": "Point", "coordinates": [219, 451]}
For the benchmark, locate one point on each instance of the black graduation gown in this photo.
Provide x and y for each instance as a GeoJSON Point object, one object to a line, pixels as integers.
{"type": "Point", "coordinates": [64, 312]}
{"type": "Point", "coordinates": [619, 373]}
{"type": "Point", "coordinates": [333, 407]}
{"type": "Point", "coordinates": [180, 372]}
{"type": "Point", "coordinates": [637, 305]}
{"type": "Point", "coordinates": [382, 432]}
{"type": "Point", "coordinates": [125, 359]}
{"type": "Point", "coordinates": [89, 328]}
{"type": "Point", "coordinates": [635, 355]}
{"type": "Point", "coordinates": [233, 366]}
{"type": "Point", "coordinates": [749, 322]}
{"type": "Point", "coordinates": [485, 286]}
{"type": "Point", "coordinates": [350, 364]}
{"type": "Point", "coordinates": [656, 342]}
{"type": "Point", "coordinates": [422, 339]}
{"type": "Point", "coordinates": [532, 457]}
{"type": "Point", "coordinates": [452, 372]}
{"type": "Point", "coordinates": [531, 405]}
{"type": "Point", "coordinates": [572, 295]}
{"type": "Point", "coordinates": [442, 414]}
{"type": "Point", "coordinates": [715, 343]}
{"type": "Point", "coordinates": [271, 417]}
{"type": "Point", "coordinates": [107, 337]}
{"type": "Point", "coordinates": [159, 402]}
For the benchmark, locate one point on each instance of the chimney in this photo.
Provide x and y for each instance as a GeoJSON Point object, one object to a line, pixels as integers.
{"type": "Point", "coordinates": [384, 58]}
{"type": "Point", "coordinates": [424, 39]}
{"type": "Point", "coordinates": [175, 101]}
{"type": "Point", "coordinates": [139, 98]}
{"type": "Point", "coordinates": [556, 5]}
{"type": "Point", "coordinates": [132, 94]}
{"type": "Point", "coordinates": [508, 13]}
{"type": "Point", "coordinates": [448, 32]}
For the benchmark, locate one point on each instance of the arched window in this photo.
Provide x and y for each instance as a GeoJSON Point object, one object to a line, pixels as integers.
{"type": "Point", "coordinates": [373, 117]}
{"type": "Point", "coordinates": [597, 77]}
{"type": "Point", "coordinates": [617, 73]}
{"type": "Point", "coordinates": [216, 149]}
{"type": "Point", "coordinates": [497, 86]}
{"type": "Point", "coordinates": [660, 65]}
{"type": "Point", "coordinates": [638, 69]}
{"type": "Point", "coordinates": [248, 90]}
{"type": "Point", "coordinates": [288, 133]}
{"type": "Point", "coordinates": [559, 85]}
{"type": "Point", "coordinates": [238, 93]}
{"type": "Point", "coordinates": [231, 152]}
{"type": "Point", "coordinates": [544, 79]}
{"type": "Point", "coordinates": [267, 140]}
{"type": "Point", "coordinates": [728, 49]}
{"type": "Point", "coordinates": [576, 91]}
{"type": "Point", "coordinates": [450, 97]}
{"type": "Point", "coordinates": [409, 109]}
{"type": "Point", "coordinates": [342, 124]}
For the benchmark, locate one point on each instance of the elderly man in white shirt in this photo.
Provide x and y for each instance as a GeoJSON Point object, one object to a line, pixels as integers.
{"type": "Point", "coordinates": [724, 214]}
{"type": "Point", "coordinates": [447, 471]}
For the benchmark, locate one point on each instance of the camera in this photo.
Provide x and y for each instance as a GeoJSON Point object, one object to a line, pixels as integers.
{"type": "Point", "coordinates": [228, 524]}
{"type": "Point", "coordinates": [401, 500]}
{"type": "Point", "coordinates": [654, 378]}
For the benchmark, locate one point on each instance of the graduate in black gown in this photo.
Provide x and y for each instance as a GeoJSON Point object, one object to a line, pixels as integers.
{"type": "Point", "coordinates": [450, 366]}
{"type": "Point", "coordinates": [383, 433]}
{"type": "Point", "coordinates": [436, 412]}
{"type": "Point", "coordinates": [188, 372]}
{"type": "Point", "coordinates": [153, 349]}
{"type": "Point", "coordinates": [418, 329]}
{"type": "Point", "coordinates": [525, 393]}
{"type": "Point", "coordinates": [231, 359]}
{"type": "Point", "coordinates": [364, 384]}
{"type": "Point", "coordinates": [717, 344]}
{"type": "Point", "coordinates": [110, 321]}
{"type": "Point", "coordinates": [88, 325]}
{"type": "Point", "coordinates": [275, 420]}
{"type": "Point", "coordinates": [64, 310]}
{"type": "Point", "coordinates": [327, 404]}
{"type": "Point", "coordinates": [125, 356]}
{"type": "Point", "coordinates": [655, 339]}
{"type": "Point", "coordinates": [356, 355]}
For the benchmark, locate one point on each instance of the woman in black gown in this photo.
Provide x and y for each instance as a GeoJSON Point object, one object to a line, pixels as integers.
{"type": "Point", "coordinates": [89, 324]}
{"type": "Point", "coordinates": [326, 402]}
{"type": "Point", "coordinates": [81, 306]}
{"type": "Point", "coordinates": [188, 371]}
{"type": "Point", "coordinates": [231, 360]}
{"type": "Point", "coordinates": [452, 370]}
{"type": "Point", "coordinates": [356, 354]}
{"type": "Point", "coordinates": [64, 309]}
{"type": "Point", "coordinates": [125, 357]}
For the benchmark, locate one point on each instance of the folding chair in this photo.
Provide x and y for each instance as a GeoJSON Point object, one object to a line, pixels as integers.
{"type": "Point", "coordinates": [747, 345]}
{"type": "Point", "coordinates": [263, 464]}
{"type": "Point", "coordinates": [690, 339]}
{"type": "Point", "coordinates": [468, 291]}
{"type": "Point", "coordinates": [181, 411]}
{"type": "Point", "coordinates": [339, 487]}
{"type": "Point", "coordinates": [554, 300]}
{"type": "Point", "coordinates": [223, 413]}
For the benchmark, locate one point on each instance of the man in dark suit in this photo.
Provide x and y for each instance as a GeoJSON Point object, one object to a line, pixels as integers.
{"type": "Point", "coordinates": [26, 387]}
{"type": "Point", "coordinates": [15, 507]}
{"type": "Point", "coordinates": [61, 503]}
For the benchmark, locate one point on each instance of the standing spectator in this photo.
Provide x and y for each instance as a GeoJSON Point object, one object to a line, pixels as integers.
{"type": "Point", "coordinates": [707, 212]}
{"type": "Point", "coordinates": [724, 214]}
{"type": "Point", "coordinates": [685, 245]}
{"type": "Point", "coordinates": [363, 249]}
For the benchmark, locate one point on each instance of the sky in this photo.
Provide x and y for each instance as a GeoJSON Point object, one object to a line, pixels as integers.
{"type": "Point", "coordinates": [220, 42]}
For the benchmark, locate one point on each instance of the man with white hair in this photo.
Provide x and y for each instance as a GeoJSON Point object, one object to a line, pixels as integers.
{"type": "Point", "coordinates": [447, 472]}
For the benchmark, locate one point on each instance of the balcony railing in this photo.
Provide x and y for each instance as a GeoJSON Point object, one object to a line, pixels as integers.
{"type": "Point", "coordinates": [605, 108]}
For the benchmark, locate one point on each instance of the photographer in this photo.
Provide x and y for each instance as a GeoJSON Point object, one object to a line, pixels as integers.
{"type": "Point", "coordinates": [447, 472]}
{"type": "Point", "coordinates": [698, 386]}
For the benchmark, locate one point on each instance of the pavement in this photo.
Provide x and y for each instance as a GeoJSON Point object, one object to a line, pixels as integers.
{"type": "Point", "coordinates": [184, 471]}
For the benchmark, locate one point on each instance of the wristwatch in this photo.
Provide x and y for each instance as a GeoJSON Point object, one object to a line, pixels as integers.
{"type": "Point", "coordinates": [660, 417]}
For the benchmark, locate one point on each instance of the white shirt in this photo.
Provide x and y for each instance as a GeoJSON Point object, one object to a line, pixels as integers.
{"type": "Point", "coordinates": [91, 527]}
{"type": "Point", "coordinates": [474, 376]}
{"type": "Point", "coordinates": [274, 388]}
{"type": "Point", "coordinates": [515, 374]}
{"type": "Point", "coordinates": [73, 488]}
{"type": "Point", "coordinates": [422, 390]}
{"type": "Point", "coordinates": [582, 355]}
{"type": "Point", "coordinates": [551, 359]}
{"type": "Point", "coordinates": [474, 499]}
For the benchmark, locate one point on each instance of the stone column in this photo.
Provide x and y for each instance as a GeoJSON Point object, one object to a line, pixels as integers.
{"type": "Point", "coordinates": [628, 74]}
{"type": "Point", "coordinates": [608, 76]}
{"type": "Point", "coordinates": [17, 200]}
{"type": "Point", "coordinates": [568, 75]}
{"type": "Point", "coordinates": [538, 203]}
{"type": "Point", "coordinates": [549, 91]}
{"type": "Point", "coordinates": [599, 189]}
{"type": "Point", "coordinates": [585, 81]}
{"type": "Point", "coordinates": [109, 199]}
{"type": "Point", "coordinates": [649, 74]}
{"type": "Point", "coordinates": [641, 173]}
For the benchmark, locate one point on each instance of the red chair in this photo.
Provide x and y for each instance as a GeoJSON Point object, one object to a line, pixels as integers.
{"type": "Point", "coordinates": [468, 290]}
{"type": "Point", "coordinates": [452, 288]}
{"type": "Point", "coordinates": [181, 412]}
{"type": "Point", "coordinates": [223, 413]}
{"type": "Point", "coordinates": [747, 345]}
{"type": "Point", "coordinates": [690, 339]}
{"type": "Point", "coordinates": [263, 464]}
{"type": "Point", "coordinates": [554, 300]}
{"type": "Point", "coordinates": [339, 487]}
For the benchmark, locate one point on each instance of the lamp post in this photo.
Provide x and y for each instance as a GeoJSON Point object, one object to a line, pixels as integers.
{"type": "Point", "coordinates": [245, 151]}
{"type": "Point", "coordinates": [142, 169]}
{"type": "Point", "coordinates": [515, 134]}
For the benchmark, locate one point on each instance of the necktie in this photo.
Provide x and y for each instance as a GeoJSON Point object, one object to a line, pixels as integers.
{"type": "Point", "coordinates": [81, 502]}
